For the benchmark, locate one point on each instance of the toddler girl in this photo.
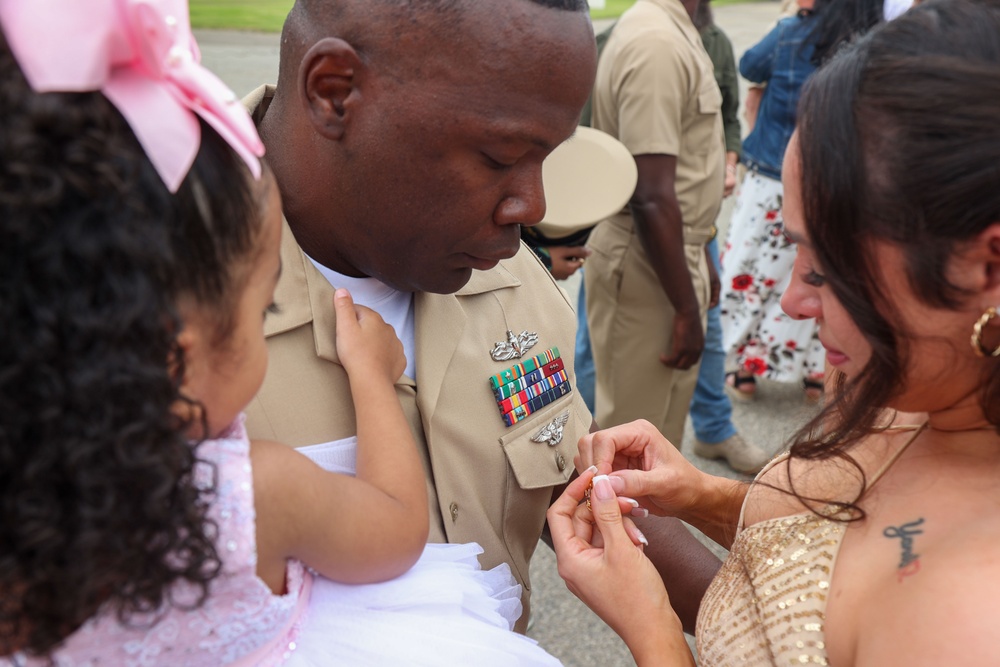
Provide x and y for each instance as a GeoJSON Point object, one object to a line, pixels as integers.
{"type": "Point", "coordinates": [139, 251]}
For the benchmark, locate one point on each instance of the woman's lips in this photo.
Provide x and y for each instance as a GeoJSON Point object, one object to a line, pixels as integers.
{"type": "Point", "coordinates": [835, 357]}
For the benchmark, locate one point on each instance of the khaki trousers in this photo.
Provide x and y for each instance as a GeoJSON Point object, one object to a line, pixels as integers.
{"type": "Point", "coordinates": [631, 325]}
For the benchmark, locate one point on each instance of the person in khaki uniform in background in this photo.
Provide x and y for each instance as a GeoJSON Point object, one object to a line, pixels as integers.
{"type": "Point", "coordinates": [405, 173]}
{"type": "Point", "coordinates": [647, 283]}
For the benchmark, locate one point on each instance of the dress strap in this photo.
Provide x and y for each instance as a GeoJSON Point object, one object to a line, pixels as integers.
{"type": "Point", "coordinates": [780, 458]}
{"type": "Point", "coordinates": [888, 463]}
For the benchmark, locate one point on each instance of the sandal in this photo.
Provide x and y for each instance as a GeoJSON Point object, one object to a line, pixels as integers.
{"type": "Point", "coordinates": [814, 388]}
{"type": "Point", "coordinates": [741, 387]}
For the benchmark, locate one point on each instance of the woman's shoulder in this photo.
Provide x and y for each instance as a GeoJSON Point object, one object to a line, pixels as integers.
{"type": "Point", "coordinates": [945, 613]}
{"type": "Point", "coordinates": [792, 485]}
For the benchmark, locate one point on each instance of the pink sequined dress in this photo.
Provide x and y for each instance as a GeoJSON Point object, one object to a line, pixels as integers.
{"type": "Point", "coordinates": [444, 611]}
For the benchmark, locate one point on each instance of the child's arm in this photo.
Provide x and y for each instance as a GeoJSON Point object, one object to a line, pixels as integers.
{"type": "Point", "coordinates": [356, 530]}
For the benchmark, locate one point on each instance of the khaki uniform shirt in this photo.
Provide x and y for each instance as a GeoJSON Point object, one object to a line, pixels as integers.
{"type": "Point", "coordinates": [487, 483]}
{"type": "Point", "coordinates": [656, 93]}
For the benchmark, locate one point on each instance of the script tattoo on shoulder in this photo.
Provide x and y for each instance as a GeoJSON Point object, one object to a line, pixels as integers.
{"type": "Point", "coordinates": [909, 561]}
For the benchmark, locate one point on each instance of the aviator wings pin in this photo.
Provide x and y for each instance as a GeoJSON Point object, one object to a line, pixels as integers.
{"type": "Point", "coordinates": [515, 346]}
{"type": "Point", "coordinates": [552, 434]}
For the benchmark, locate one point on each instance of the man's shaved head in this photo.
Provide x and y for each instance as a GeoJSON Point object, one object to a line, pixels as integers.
{"type": "Point", "coordinates": [380, 29]}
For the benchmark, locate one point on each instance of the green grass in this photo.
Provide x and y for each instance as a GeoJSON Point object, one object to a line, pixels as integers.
{"type": "Point", "coordinates": [263, 15]}
{"type": "Point", "coordinates": [268, 15]}
{"type": "Point", "coordinates": [612, 9]}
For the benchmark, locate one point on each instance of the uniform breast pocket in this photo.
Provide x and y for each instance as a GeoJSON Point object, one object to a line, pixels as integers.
{"type": "Point", "coordinates": [709, 97]}
{"type": "Point", "coordinates": [540, 451]}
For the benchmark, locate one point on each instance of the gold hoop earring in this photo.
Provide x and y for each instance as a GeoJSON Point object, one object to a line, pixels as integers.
{"type": "Point", "coordinates": [977, 335]}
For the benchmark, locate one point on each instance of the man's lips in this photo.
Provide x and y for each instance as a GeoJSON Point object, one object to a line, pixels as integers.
{"type": "Point", "coordinates": [491, 259]}
{"type": "Point", "coordinates": [480, 263]}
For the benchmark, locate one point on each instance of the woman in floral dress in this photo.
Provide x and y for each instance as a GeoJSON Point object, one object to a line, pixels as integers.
{"type": "Point", "coordinates": [760, 339]}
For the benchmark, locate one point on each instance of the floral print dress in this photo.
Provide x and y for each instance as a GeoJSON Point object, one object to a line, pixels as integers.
{"type": "Point", "coordinates": [756, 268]}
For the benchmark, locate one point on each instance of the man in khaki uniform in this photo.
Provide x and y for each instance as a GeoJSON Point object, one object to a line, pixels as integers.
{"type": "Point", "coordinates": [647, 282]}
{"type": "Point", "coordinates": [405, 174]}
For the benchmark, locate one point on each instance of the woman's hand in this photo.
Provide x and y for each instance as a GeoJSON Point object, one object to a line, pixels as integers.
{"type": "Point", "coordinates": [612, 576]}
{"type": "Point", "coordinates": [644, 465]}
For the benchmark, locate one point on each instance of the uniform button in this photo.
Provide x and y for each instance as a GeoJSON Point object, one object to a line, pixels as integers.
{"type": "Point", "coordinates": [454, 511]}
{"type": "Point", "coordinates": [560, 462]}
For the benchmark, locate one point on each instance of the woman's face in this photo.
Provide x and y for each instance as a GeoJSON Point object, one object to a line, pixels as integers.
{"type": "Point", "coordinates": [940, 367]}
{"type": "Point", "coordinates": [808, 295]}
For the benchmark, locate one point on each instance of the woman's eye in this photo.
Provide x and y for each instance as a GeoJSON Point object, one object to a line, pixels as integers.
{"type": "Point", "coordinates": [814, 279]}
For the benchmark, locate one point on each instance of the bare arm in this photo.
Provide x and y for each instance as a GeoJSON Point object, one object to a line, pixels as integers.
{"type": "Point", "coordinates": [359, 529]}
{"type": "Point", "coordinates": [658, 220]}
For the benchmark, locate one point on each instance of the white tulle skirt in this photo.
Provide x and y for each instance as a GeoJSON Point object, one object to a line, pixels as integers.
{"type": "Point", "coordinates": [445, 611]}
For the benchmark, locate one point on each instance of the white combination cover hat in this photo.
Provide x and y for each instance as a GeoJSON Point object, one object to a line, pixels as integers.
{"type": "Point", "coordinates": [587, 178]}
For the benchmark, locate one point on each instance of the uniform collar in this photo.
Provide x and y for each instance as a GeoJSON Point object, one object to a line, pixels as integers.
{"type": "Point", "coordinates": [303, 295]}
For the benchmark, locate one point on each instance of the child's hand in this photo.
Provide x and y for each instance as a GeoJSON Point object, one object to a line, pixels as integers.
{"type": "Point", "coordinates": [365, 343]}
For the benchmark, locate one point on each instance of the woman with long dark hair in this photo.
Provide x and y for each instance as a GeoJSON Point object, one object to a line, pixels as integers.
{"type": "Point", "coordinates": [875, 540]}
{"type": "Point", "coordinates": [760, 339]}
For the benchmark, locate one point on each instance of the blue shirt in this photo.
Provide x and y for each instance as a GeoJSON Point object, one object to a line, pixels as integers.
{"type": "Point", "coordinates": [782, 61]}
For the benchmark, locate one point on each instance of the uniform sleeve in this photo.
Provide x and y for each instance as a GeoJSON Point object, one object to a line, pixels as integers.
{"type": "Point", "coordinates": [653, 84]}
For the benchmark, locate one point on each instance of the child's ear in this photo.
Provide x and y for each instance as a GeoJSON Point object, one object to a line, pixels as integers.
{"type": "Point", "coordinates": [185, 364]}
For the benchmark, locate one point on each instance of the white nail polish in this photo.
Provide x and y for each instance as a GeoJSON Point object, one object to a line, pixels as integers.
{"type": "Point", "coordinates": [630, 501]}
{"type": "Point", "coordinates": [640, 512]}
{"type": "Point", "coordinates": [642, 538]}
{"type": "Point", "coordinates": [592, 469]}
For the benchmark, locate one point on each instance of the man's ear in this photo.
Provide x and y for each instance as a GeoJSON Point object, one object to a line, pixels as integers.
{"type": "Point", "coordinates": [328, 78]}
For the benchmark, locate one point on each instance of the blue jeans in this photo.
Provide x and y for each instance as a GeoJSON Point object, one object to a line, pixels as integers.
{"type": "Point", "coordinates": [583, 366]}
{"type": "Point", "coordinates": [711, 411]}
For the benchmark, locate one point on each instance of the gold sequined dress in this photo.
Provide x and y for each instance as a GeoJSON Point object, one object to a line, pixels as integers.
{"type": "Point", "coordinates": [767, 604]}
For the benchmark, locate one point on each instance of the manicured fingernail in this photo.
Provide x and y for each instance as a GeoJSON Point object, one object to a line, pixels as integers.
{"type": "Point", "coordinates": [592, 469]}
{"type": "Point", "coordinates": [634, 503]}
{"type": "Point", "coordinates": [642, 538]}
{"type": "Point", "coordinates": [602, 488]}
{"type": "Point", "coordinates": [640, 512]}
{"type": "Point", "coordinates": [618, 484]}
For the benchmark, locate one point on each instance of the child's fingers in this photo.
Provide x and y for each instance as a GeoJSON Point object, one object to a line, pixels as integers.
{"type": "Point", "coordinates": [343, 306]}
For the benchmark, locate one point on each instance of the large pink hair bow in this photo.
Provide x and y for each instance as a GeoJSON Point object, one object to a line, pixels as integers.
{"type": "Point", "coordinates": [142, 56]}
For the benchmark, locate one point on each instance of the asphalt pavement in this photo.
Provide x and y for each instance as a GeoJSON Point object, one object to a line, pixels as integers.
{"type": "Point", "coordinates": [561, 623]}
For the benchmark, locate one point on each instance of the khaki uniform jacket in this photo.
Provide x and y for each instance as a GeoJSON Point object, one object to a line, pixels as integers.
{"type": "Point", "coordinates": [487, 483]}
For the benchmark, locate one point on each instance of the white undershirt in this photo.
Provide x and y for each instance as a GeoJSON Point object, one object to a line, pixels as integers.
{"type": "Point", "coordinates": [395, 307]}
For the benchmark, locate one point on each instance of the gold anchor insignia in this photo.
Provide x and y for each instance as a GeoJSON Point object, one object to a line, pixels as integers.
{"type": "Point", "coordinates": [552, 434]}
{"type": "Point", "coordinates": [515, 346]}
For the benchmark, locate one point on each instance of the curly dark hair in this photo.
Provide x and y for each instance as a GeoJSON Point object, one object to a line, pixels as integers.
{"type": "Point", "coordinates": [99, 507]}
{"type": "Point", "coordinates": [899, 142]}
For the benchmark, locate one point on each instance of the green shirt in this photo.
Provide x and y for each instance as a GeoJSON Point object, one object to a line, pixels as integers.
{"type": "Point", "coordinates": [720, 50]}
